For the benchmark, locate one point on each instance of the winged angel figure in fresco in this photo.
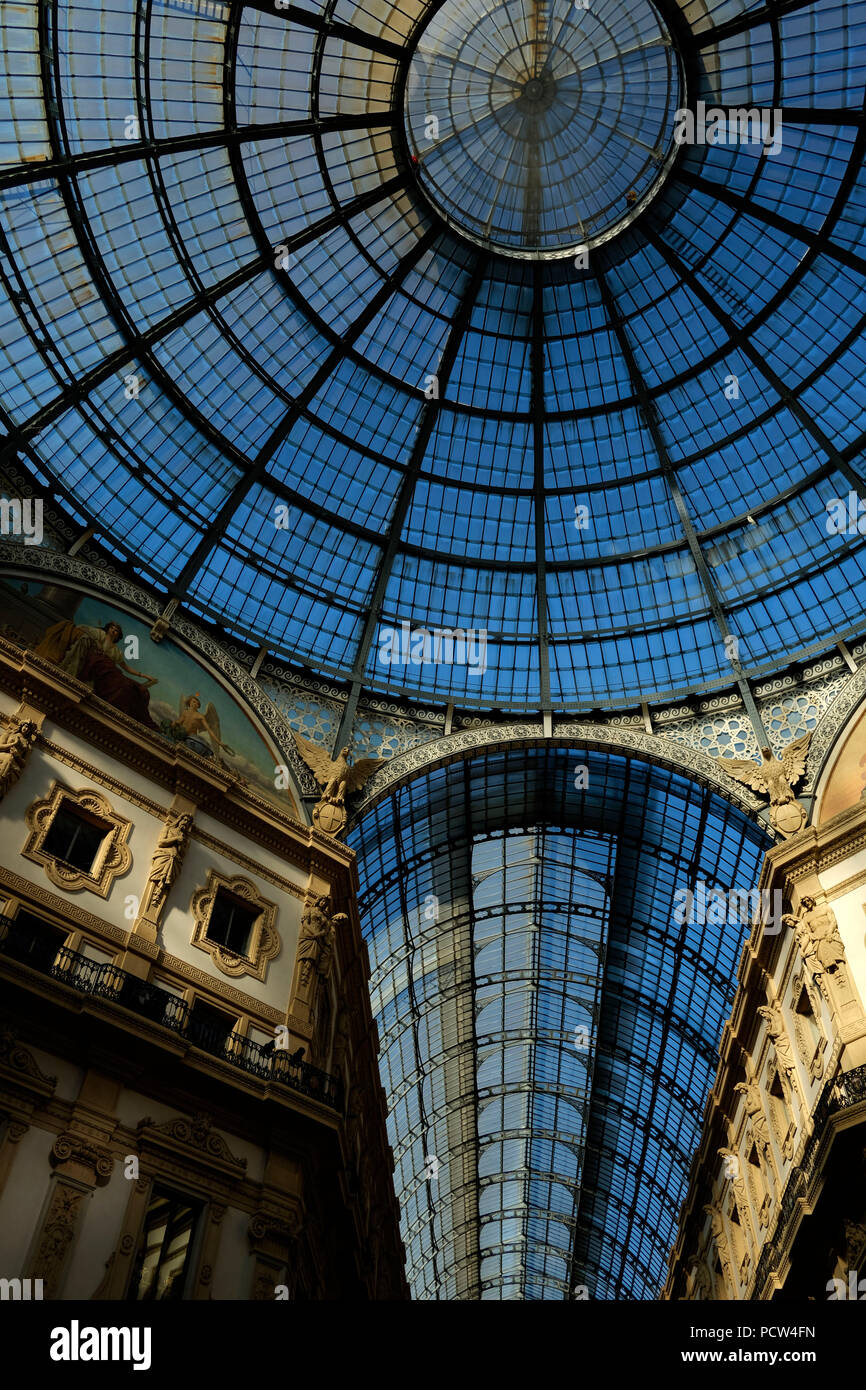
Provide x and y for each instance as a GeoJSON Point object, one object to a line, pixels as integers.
{"type": "Point", "coordinates": [338, 778]}
{"type": "Point", "coordinates": [776, 779]}
{"type": "Point", "coordinates": [191, 723]}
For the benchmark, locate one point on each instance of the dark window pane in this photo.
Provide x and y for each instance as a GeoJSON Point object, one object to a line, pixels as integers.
{"type": "Point", "coordinates": [74, 839]}
{"type": "Point", "coordinates": [34, 941]}
{"type": "Point", "coordinates": [163, 1253]}
{"type": "Point", "coordinates": [231, 923]}
{"type": "Point", "coordinates": [210, 1028]}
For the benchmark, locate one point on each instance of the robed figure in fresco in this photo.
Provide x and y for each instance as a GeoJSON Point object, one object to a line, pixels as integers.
{"type": "Point", "coordinates": [92, 655]}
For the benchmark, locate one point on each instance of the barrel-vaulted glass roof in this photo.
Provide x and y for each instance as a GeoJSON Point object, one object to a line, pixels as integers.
{"type": "Point", "coordinates": [241, 344]}
{"type": "Point", "coordinates": [549, 1033]}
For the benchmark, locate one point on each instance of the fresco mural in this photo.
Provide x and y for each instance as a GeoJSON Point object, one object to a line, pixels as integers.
{"type": "Point", "coordinates": [847, 782]}
{"type": "Point", "coordinates": [160, 685]}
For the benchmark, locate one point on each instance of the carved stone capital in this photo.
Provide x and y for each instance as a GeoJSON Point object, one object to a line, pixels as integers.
{"type": "Point", "coordinates": [76, 1156]}
{"type": "Point", "coordinates": [271, 1230]}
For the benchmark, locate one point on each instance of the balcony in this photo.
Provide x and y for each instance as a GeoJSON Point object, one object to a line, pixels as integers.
{"type": "Point", "coordinates": [103, 980]}
{"type": "Point", "coordinates": [846, 1089]}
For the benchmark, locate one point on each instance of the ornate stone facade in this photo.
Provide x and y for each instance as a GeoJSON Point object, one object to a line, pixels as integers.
{"type": "Point", "coordinates": [103, 984]}
{"type": "Point", "coordinates": [791, 1081]}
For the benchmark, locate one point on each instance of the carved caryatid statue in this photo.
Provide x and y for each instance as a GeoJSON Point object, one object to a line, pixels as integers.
{"type": "Point", "coordinates": [338, 778]}
{"type": "Point", "coordinates": [818, 938]}
{"type": "Point", "coordinates": [776, 779]}
{"type": "Point", "coordinates": [701, 1280]}
{"type": "Point", "coordinates": [326, 956]}
{"type": "Point", "coordinates": [720, 1239]}
{"type": "Point", "coordinates": [775, 1024]}
{"type": "Point", "coordinates": [341, 1040]}
{"type": "Point", "coordinates": [751, 1092]}
{"type": "Point", "coordinates": [734, 1174]}
{"type": "Point", "coordinates": [16, 743]}
{"type": "Point", "coordinates": [166, 863]}
{"type": "Point", "coordinates": [317, 937]}
{"type": "Point", "coordinates": [315, 929]}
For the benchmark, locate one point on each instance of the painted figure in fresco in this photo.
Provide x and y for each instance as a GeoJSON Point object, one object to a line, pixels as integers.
{"type": "Point", "coordinates": [191, 722]}
{"type": "Point", "coordinates": [92, 655]}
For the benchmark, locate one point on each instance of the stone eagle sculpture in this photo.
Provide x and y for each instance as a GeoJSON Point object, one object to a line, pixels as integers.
{"type": "Point", "coordinates": [338, 778]}
{"type": "Point", "coordinates": [775, 778]}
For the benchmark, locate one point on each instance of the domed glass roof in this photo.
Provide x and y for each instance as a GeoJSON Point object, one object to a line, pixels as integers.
{"type": "Point", "coordinates": [241, 343]}
{"type": "Point", "coordinates": [531, 124]}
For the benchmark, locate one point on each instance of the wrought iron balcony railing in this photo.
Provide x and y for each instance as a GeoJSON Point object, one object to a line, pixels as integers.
{"type": "Point", "coordinates": [25, 943]}
{"type": "Point", "coordinates": [846, 1089]}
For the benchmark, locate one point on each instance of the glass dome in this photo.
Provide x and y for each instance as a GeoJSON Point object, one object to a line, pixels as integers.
{"type": "Point", "coordinates": [241, 344]}
{"type": "Point", "coordinates": [536, 129]}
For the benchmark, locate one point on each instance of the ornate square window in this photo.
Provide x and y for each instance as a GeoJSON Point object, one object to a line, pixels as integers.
{"type": "Point", "coordinates": [236, 925]}
{"type": "Point", "coordinates": [78, 839]}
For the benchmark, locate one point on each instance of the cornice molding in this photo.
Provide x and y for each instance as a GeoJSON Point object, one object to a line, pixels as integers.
{"type": "Point", "coordinates": [253, 866]}
{"type": "Point", "coordinates": [212, 790]}
{"type": "Point", "coordinates": [221, 991]}
{"type": "Point", "coordinates": [70, 914]}
{"type": "Point", "coordinates": [190, 1143]}
{"type": "Point", "coordinates": [101, 777]}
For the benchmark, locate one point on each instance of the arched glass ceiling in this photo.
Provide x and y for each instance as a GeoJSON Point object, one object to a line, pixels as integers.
{"type": "Point", "coordinates": [222, 294]}
{"type": "Point", "coordinates": [548, 1034]}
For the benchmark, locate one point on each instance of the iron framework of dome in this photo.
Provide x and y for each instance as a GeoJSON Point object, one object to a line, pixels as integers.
{"type": "Point", "coordinates": [223, 293]}
{"type": "Point", "coordinates": [539, 131]}
{"type": "Point", "coordinates": [246, 356]}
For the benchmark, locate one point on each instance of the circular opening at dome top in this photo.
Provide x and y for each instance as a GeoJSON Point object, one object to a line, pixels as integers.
{"type": "Point", "coordinates": [539, 128]}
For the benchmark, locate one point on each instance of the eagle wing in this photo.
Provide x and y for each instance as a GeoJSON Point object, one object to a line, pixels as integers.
{"type": "Point", "coordinates": [745, 771]}
{"type": "Point", "coordinates": [317, 760]}
{"type": "Point", "coordinates": [794, 757]}
{"type": "Point", "coordinates": [361, 771]}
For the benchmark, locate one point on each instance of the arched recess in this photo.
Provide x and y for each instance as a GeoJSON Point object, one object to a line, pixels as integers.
{"type": "Point", "coordinates": [549, 1031]}
{"type": "Point", "coordinates": [841, 779]}
{"type": "Point", "coordinates": [52, 572]}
